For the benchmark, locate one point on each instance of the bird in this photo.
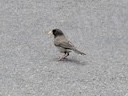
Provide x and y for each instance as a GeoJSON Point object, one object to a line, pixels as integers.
{"type": "Point", "coordinates": [63, 44]}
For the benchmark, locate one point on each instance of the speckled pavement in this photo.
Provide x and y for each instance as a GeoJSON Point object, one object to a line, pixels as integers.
{"type": "Point", "coordinates": [29, 63]}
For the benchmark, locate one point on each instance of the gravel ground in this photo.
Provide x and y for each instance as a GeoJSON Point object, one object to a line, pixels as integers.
{"type": "Point", "coordinates": [29, 63]}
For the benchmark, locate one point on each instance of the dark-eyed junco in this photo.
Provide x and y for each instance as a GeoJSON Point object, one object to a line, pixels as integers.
{"type": "Point", "coordinates": [63, 44]}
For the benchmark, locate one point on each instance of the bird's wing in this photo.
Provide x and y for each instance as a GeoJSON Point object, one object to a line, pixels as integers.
{"type": "Point", "coordinates": [65, 44]}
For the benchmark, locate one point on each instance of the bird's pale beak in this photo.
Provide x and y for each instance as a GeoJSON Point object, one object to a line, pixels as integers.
{"type": "Point", "coordinates": [50, 32]}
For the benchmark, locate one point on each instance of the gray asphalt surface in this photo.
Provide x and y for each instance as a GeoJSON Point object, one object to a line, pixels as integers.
{"type": "Point", "coordinates": [28, 58]}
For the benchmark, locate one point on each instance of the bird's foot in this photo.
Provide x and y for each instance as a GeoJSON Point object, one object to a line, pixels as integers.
{"type": "Point", "coordinates": [61, 59]}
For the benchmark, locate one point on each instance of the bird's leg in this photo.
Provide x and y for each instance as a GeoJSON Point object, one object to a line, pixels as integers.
{"type": "Point", "coordinates": [64, 56]}
{"type": "Point", "coordinates": [61, 57]}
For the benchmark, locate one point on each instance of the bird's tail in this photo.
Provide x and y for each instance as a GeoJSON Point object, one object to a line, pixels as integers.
{"type": "Point", "coordinates": [78, 52]}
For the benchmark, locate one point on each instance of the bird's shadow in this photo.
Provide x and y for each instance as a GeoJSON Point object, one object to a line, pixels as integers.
{"type": "Point", "coordinates": [71, 60]}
